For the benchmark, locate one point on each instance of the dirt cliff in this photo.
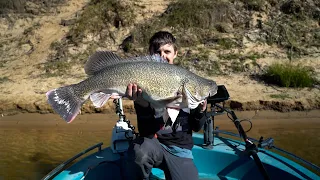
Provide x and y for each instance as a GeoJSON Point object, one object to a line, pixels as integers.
{"type": "Point", "coordinates": [26, 45]}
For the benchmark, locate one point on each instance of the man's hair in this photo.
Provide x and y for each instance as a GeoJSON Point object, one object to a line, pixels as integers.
{"type": "Point", "coordinates": [161, 38]}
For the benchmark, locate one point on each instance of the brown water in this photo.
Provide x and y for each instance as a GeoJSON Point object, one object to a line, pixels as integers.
{"type": "Point", "coordinates": [33, 144]}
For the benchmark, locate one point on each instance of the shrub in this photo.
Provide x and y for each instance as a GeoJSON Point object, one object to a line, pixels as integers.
{"type": "Point", "coordinates": [98, 16]}
{"type": "Point", "coordinates": [255, 5]}
{"type": "Point", "coordinates": [13, 5]}
{"type": "Point", "coordinates": [197, 13]}
{"type": "Point", "coordinates": [4, 79]}
{"type": "Point", "coordinates": [56, 68]}
{"type": "Point", "coordinates": [19, 6]}
{"type": "Point", "coordinates": [289, 75]}
{"type": "Point", "coordinates": [200, 61]}
{"type": "Point", "coordinates": [191, 21]}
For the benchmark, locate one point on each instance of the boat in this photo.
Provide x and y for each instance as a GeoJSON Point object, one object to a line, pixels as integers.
{"type": "Point", "coordinates": [217, 153]}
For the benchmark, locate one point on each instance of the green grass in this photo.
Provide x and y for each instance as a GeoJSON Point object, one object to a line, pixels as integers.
{"type": "Point", "coordinates": [232, 56]}
{"type": "Point", "coordinates": [226, 43]}
{"type": "Point", "coordinates": [288, 75]}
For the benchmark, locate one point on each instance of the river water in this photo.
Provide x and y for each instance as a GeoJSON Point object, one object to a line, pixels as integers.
{"type": "Point", "coordinates": [33, 144]}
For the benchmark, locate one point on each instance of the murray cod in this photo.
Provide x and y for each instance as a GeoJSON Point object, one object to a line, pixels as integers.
{"type": "Point", "coordinates": [168, 88]}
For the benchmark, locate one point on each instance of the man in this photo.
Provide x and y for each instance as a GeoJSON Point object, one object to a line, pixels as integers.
{"type": "Point", "coordinates": [164, 145]}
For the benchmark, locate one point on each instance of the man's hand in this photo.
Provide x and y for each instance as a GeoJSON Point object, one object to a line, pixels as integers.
{"type": "Point", "coordinates": [134, 93]}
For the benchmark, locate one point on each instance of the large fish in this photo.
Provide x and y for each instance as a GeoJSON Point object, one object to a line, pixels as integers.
{"type": "Point", "coordinates": [168, 88]}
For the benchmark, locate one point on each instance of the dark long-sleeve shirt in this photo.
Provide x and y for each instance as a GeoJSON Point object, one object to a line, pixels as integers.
{"type": "Point", "coordinates": [178, 134]}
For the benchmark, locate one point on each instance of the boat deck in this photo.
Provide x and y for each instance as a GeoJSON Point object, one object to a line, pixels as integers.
{"type": "Point", "coordinates": [225, 161]}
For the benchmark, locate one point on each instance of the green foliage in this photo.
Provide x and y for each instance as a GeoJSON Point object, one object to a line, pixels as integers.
{"type": "Point", "coordinates": [191, 21]}
{"type": "Point", "coordinates": [201, 62]}
{"type": "Point", "coordinates": [217, 24]}
{"type": "Point", "coordinates": [237, 66]}
{"type": "Point", "coordinates": [99, 16]}
{"type": "Point", "coordinates": [237, 60]}
{"type": "Point", "coordinates": [55, 45]}
{"type": "Point", "coordinates": [4, 79]}
{"type": "Point", "coordinates": [288, 75]}
{"type": "Point", "coordinates": [202, 14]}
{"type": "Point", "coordinates": [57, 63]}
{"type": "Point", "coordinates": [12, 5]}
{"type": "Point", "coordinates": [226, 43]}
{"type": "Point", "coordinates": [19, 6]}
{"type": "Point", "coordinates": [280, 96]}
{"type": "Point", "coordinates": [293, 27]}
{"type": "Point", "coordinates": [196, 22]}
{"type": "Point", "coordinates": [56, 68]}
{"type": "Point", "coordinates": [232, 56]}
{"type": "Point", "coordinates": [229, 56]}
{"type": "Point", "coordinates": [2, 63]}
{"type": "Point", "coordinates": [255, 5]}
{"type": "Point", "coordinates": [254, 56]}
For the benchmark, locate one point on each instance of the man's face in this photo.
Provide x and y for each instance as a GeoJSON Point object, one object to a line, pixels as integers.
{"type": "Point", "coordinates": [167, 52]}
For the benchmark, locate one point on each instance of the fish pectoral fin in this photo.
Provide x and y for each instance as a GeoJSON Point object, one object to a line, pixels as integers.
{"type": "Point", "coordinates": [193, 105]}
{"type": "Point", "coordinates": [192, 101]}
{"type": "Point", "coordinates": [173, 114]}
{"type": "Point", "coordinates": [100, 98]}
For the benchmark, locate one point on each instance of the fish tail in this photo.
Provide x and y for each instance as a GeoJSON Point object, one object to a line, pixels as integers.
{"type": "Point", "coordinates": [64, 102]}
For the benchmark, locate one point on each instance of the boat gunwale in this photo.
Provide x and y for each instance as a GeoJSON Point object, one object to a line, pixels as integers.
{"type": "Point", "coordinates": [60, 168]}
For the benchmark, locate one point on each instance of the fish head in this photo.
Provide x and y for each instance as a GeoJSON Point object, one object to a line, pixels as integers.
{"type": "Point", "coordinates": [197, 91]}
{"type": "Point", "coordinates": [210, 88]}
{"type": "Point", "coordinates": [205, 88]}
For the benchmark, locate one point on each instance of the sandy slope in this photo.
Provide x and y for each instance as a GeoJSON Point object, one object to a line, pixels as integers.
{"type": "Point", "coordinates": [23, 88]}
{"type": "Point", "coordinates": [24, 84]}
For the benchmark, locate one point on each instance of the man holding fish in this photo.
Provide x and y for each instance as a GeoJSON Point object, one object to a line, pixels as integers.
{"type": "Point", "coordinates": [165, 144]}
{"type": "Point", "coordinates": [170, 103]}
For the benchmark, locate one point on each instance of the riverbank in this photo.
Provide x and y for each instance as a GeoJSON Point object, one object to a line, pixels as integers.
{"type": "Point", "coordinates": [28, 95]}
{"type": "Point", "coordinates": [26, 47]}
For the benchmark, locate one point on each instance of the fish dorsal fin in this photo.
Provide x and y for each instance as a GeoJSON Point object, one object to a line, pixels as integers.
{"type": "Point", "coordinates": [102, 59]}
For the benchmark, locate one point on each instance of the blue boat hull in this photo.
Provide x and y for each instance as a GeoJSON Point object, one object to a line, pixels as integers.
{"type": "Point", "coordinates": [225, 161]}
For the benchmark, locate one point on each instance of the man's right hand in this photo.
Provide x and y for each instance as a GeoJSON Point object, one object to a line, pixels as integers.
{"type": "Point", "coordinates": [134, 93]}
